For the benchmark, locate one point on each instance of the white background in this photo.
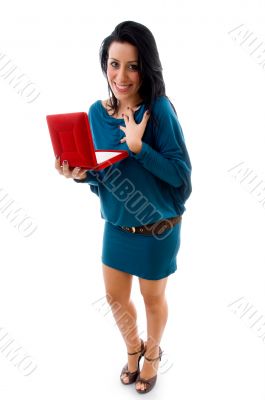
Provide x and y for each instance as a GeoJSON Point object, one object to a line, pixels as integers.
{"type": "Point", "coordinates": [49, 280]}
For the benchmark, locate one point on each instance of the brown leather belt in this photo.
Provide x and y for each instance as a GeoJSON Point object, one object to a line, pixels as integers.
{"type": "Point", "coordinates": [158, 227]}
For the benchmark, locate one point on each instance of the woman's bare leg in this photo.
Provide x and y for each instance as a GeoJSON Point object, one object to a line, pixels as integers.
{"type": "Point", "coordinates": [118, 286]}
{"type": "Point", "coordinates": [156, 314]}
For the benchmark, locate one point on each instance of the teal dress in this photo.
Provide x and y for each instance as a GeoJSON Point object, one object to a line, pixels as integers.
{"type": "Point", "coordinates": [144, 188]}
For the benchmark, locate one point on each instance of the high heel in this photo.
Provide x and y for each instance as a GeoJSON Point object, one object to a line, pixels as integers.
{"type": "Point", "coordinates": [132, 375]}
{"type": "Point", "coordinates": [151, 381]}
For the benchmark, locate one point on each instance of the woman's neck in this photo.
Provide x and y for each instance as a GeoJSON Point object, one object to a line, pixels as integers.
{"type": "Point", "coordinates": [122, 106]}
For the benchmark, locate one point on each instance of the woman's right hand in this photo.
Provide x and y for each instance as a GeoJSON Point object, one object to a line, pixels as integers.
{"type": "Point", "coordinates": [75, 173]}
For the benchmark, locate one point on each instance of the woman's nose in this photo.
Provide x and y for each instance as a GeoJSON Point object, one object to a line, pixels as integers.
{"type": "Point", "coordinates": [122, 75]}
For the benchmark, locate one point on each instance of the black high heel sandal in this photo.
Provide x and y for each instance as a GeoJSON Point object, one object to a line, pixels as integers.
{"type": "Point", "coordinates": [132, 375]}
{"type": "Point", "coordinates": [151, 381]}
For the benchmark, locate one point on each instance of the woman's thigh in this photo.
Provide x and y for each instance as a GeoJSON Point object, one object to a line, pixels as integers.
{"type": "Point", "coordinates": [118, 284]}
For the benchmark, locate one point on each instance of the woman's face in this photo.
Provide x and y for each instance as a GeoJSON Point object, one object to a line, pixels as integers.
{"type": "Point", "coordinates": [122, 71]}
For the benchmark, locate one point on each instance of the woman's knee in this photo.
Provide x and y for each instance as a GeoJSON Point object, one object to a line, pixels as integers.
{"type": "Point", "coordinates": [153, 292]}
{"type": "Point", "coordinates": [153, 300]}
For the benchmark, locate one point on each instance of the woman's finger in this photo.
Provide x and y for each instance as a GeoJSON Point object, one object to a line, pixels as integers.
{"type": "Point", "coordinates": [65, 168]}
{"type": "Point", "coordinates": [78, 171]}
{"type": "Point", "coordinates": [75, 172]}
{"type": "Point", "coordinates": [58, 165]}
{"type": "Point", "coordinates": [145, 117]}
{"type": "Point", "coordinates": [130, 113]}
{"type": "Point", "coordinates": [125, 117]}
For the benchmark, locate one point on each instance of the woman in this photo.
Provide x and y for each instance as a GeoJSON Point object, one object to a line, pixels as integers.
{"type": "Point", "coordinates": [141, 197]}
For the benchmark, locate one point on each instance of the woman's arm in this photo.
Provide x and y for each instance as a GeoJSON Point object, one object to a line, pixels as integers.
{"type": "Point", "coordinates": [171, 161]}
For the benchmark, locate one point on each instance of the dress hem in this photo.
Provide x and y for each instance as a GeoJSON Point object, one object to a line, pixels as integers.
{"type": "Point", "coordinates": [140, 276]}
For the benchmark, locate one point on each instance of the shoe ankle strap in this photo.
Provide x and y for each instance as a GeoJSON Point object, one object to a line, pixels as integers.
{"type": "Point", "coordinates": [156, 358]}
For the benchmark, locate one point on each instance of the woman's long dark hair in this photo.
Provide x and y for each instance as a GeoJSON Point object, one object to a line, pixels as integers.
{"type": "Point", "coordinates": [150, 68]}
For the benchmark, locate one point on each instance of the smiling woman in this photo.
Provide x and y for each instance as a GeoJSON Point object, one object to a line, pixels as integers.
{"type": "Point", "coordinates": [146, 190]}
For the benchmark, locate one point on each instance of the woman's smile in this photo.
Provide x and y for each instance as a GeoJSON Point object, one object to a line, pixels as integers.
{"type": "Point", "coordinates": [122, 88]}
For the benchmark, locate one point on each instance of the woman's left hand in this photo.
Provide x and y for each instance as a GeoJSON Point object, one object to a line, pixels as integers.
{"type": "Point", "coordinates": [133, 131]}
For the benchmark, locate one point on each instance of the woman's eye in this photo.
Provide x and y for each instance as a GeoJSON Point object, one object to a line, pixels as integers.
{"type": "Point", "coordinates": [134, 67]}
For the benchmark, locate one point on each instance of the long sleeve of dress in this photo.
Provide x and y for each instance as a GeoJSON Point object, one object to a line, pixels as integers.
{"type": "Point", "coordinates": [170, 162]}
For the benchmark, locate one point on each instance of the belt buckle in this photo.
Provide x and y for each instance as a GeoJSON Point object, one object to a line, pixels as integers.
{"type": "Point", "coordinates": [127, 228]}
